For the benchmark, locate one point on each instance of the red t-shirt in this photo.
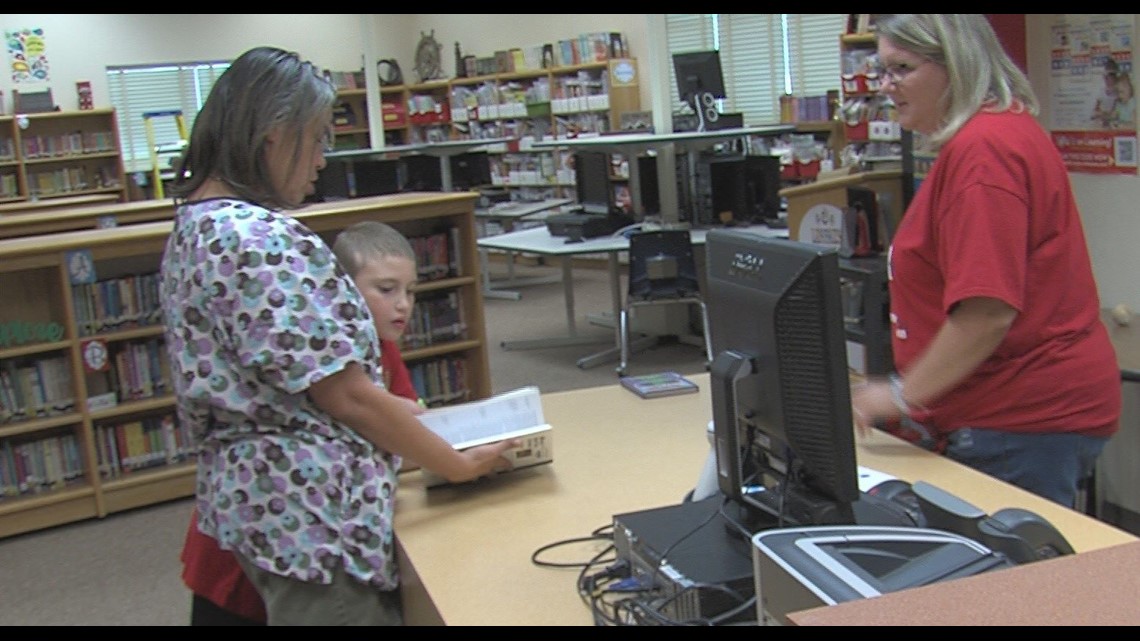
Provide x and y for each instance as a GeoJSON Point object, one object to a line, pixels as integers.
{"type": "Point", "coordinates": [996, 218]}
{"type": "Point", "coordinates": [213, 573]}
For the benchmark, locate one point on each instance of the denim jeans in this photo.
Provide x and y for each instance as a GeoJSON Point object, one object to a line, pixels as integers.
{"type": "Point", "coordinates": [1050, 465]}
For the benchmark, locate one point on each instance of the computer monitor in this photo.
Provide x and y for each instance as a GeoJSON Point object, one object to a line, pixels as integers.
{"type": "Point", "coordinates": [783, 436]}
{"type": "Point", "coordinates": [700, 83]}
{"type": "Point", "coordinates": [592, 181]}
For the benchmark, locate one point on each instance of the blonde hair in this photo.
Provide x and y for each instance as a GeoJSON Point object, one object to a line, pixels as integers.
{"type": "Point", "coordinates": [369, 240]}
{"type": "Point", "coordinates": [981, 73]}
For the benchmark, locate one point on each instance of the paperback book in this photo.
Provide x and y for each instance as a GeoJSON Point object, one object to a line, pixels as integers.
{"type": "Point", "coordinates": [659, 384]}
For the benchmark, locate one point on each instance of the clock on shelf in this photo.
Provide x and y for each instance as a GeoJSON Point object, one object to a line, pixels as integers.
{"type": "Point", "coordinates": [428, 63]}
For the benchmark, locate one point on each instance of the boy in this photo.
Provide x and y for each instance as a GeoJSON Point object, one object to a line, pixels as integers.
{"type": "Point", "coordinates": [383, 265]}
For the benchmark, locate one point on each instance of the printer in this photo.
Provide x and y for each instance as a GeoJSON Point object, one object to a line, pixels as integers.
{"type": "Point", "coordinates": [800, 568]}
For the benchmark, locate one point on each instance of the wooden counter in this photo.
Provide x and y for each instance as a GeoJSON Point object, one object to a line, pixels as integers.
{"type": "Point", "coordinates": [465, 552]}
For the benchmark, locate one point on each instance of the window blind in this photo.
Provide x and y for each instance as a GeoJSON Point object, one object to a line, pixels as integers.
{"type": "Point", "coordinates": [136, 90]}
{"type": "Point", "coordinates": [752, 56]}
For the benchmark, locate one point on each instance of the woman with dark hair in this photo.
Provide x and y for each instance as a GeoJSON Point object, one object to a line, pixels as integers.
{"type": "Point", "coordinates": [275, 360]}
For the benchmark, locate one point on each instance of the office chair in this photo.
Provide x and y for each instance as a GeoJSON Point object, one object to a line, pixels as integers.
{"type": "Point", "coordinates": [662, 271]}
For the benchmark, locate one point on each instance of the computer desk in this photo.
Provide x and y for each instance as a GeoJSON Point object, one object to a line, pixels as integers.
{"type": "Point", "coordinates": [538, 240]}
{"type": "Point", "coordinates": [507, 214]}
{"type": "Point", "coordinates": [465, 551]}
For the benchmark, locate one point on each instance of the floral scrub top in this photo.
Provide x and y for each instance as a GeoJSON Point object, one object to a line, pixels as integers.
{"type": "Point", "coordinates": [257, 310]}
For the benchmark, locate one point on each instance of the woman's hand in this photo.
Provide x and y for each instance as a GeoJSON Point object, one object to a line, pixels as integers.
{"type": "Point", "coordinates": [871, 402]}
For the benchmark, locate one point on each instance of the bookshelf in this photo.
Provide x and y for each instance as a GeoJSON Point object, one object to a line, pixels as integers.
{"type": "Point", "coordinates": [871, 131]}
{"type": "Point", "coordinates": [60, 154]}
{"type": "Point", "coordinates": [87, 425]}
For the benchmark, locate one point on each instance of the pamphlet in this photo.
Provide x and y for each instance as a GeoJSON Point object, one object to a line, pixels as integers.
{"type": "Point", "coordinates": [659, 384]}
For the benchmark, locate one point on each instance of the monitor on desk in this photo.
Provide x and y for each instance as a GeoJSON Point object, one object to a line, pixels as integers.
{"type": "Point", "coordinates": [783, 436]}
{"type": "Point", "coordinates": [700, 83]}
{"type": "Point", "coordinates": [420, 173]}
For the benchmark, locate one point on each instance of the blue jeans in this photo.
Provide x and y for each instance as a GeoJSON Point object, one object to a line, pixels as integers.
{"type": "Point", "coordinates": [1049, 465]}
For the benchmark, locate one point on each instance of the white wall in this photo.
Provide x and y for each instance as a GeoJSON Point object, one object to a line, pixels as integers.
{"type": "Point", "coordinates": [80, 46]}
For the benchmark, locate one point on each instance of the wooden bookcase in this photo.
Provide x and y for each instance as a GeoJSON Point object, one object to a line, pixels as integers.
{"type": "Point", "coordinates": [60, 154]}
{"type": "Point", "coordinates": [47, 326]}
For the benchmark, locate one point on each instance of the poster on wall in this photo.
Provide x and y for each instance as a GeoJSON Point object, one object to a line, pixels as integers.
{"type": "Point", "coordinates": [1091, 88]}
{"type": "Point", "coordinates": [27, 54]}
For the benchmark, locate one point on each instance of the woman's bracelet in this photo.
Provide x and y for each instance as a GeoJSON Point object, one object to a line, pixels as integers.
{"type": "Point", "coordinates": [900, 401]}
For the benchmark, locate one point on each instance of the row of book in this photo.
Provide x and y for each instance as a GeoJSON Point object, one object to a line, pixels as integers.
{"type": "Point", "coordinates": [71, 179]}
{"type": "Point", "coordinates": [7, 150]}
{"type": "Point", "coordinates": [9, 185]}
{"type": "Point", "coordinates": [140, 369]}
{"type": "Point", "coordinates": [35, 389]}
{"type": "Point", "coordinates": [437, 255]}
{"type": "Point", "coordinates": [69, 144]}
{"type": "Point", "coordinates": [440, 381]}
{"type": "Point", "coordinates": [114, 304]}
{"type": "Point", "coordinates": [134, 445]}
{"type": "Point", "coordinates": [435, 319]}
{"type": "Point", "coordinates": [41, 465]}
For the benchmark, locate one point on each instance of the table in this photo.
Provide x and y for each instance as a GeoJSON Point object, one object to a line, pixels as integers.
{"type": "Point", "coordinates": [465, 551]}
{"type": "Point", "coordinates": [539, 241]}
{"type": "Point", "coordinates": [506, 214]}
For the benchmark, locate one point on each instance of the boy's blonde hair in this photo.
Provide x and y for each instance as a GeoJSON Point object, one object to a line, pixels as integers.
{"type": "Point", "coordinates": [359, 243]}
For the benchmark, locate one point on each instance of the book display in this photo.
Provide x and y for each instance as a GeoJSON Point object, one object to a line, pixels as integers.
{"type": "Point", "coordinates": [87, 425]}
{"type": "Point", "coordinates": [60, 154]}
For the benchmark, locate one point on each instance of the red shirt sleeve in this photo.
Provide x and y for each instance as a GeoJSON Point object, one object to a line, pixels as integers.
{"type": "Point", "coordinates": [398, 380]}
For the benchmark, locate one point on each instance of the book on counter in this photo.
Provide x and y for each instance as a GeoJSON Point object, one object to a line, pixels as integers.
{"type": "Point", "coordinates": [659, 384]}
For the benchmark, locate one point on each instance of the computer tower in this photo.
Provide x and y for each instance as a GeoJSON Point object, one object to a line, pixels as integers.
{"type": "Point", "coordinates": [735, 189]}
{"type": "Point", "coordinates": [376, 177]}
{"type": "Point", "coordinates": [334, 182]}
{"type": "Point", "coordinates": [420, 173]}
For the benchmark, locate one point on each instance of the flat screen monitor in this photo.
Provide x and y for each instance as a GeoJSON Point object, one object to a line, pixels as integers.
{"type": "Point", "coordinates": [783, 437]}
{"type": "Point", "coordinates": [745, 189]}
{"type": "Point", "coordinates": [700, 83]}
{"type": "Point", "coordinates": [592, 181]}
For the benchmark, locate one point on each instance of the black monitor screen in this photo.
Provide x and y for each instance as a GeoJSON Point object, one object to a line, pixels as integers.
{"type": "Point", "coordinates": [785, 448]}
{"type": "Point", "coordinates": [698, 72]}
{"type": "Point", "coordinates": [592, 178]}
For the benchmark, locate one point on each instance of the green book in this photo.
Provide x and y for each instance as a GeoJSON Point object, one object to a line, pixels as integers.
{"type": "Point", "coordinates": [659, 384]}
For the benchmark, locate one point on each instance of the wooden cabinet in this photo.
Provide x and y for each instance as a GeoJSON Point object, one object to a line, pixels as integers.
{"type": "Point", "coordinates": [60, 154]}
{"type": "Point", "coordinates": [87, 422]}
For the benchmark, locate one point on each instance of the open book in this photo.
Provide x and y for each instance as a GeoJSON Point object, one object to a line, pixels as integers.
{"type": "Point", "coordinates": [514, 414]}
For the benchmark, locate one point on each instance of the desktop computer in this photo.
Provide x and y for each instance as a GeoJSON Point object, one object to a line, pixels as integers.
{"type": "Point", "coordinates": [700, 571]}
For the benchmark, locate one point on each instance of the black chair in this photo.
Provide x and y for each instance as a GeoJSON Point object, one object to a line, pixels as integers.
{"type": "Point", "coordinates": [662, 271]}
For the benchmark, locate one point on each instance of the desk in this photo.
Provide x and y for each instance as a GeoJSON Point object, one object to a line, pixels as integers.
{"type": "Point", "coordinates": [539, 241]}
{"type": "Point", "coordinates": [464, 552]}
{"type": "Point", "coordinates": [506, 214]}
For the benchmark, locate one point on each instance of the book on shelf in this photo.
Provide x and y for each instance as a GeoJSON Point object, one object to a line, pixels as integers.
{"type": "Point", "coordinates": [659, 384]}
{"type": "Point", "coordinates": [516, 414]}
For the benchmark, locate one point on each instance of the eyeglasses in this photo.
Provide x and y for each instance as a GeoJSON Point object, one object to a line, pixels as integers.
{"type": "Point", "coordinates": [896, 72]}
